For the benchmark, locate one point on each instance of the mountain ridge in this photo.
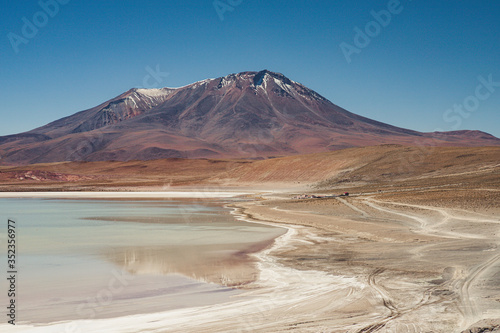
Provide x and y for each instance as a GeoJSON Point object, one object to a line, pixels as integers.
{"type": "Point", "coordinates": [242, 115]}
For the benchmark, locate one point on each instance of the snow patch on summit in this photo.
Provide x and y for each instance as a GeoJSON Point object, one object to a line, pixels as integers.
{"type": "Point", "coordinates": [154, 92]}
{"type": "Point", "coordinates": [200, 83]}
{"type": "Point", "coordinates": [149, 97]}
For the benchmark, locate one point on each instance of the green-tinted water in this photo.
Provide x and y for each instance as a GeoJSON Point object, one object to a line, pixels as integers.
{"type": "Point", "coordinates": [85, 259]}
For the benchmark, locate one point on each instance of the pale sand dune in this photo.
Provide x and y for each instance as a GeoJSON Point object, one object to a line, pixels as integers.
{"type": "Point", "coordinates": [354, 265]}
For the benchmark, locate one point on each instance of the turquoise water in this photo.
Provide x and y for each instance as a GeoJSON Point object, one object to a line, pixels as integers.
{"type": "Point", "coordinates": [86, 259]}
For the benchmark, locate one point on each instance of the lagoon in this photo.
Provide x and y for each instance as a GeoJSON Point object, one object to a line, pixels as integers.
{"type": "Point", "coordinates": [102, 258]}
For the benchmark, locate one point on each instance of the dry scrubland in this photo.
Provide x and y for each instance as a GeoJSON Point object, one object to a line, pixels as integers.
{"type": "Point", "coordinates": [415, 248]}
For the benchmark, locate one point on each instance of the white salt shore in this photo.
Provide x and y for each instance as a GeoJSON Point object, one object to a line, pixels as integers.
{"type": "Point", "coordinates": [281, 291]}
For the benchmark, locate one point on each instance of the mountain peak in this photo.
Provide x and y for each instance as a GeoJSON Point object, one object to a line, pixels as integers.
{"type": "Point", "coordinates": [247, 114]}
{"type": "Point", "coordinates": [259, 77]}
{"type": "Point", "coordinates": [256, 77]}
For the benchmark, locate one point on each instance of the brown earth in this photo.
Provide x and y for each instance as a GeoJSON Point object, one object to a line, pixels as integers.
{"type": "Point", "coordinates": [386, 167]}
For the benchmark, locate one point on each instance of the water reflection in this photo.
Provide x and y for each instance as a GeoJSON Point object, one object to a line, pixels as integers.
{"type": "Point", "coordinates": [229, 264]}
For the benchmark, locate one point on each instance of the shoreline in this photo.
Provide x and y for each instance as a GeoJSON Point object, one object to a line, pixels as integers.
{"type": "Point", "coordinates": [253, 251]}
{"type": "Point", "coordinates": [260, 296]}
{"type": "Point", "coordinates": [353, 268]}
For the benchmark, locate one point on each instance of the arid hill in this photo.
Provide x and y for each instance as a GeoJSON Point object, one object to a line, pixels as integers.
{"type": "Point", "coordinates": [379, 167]}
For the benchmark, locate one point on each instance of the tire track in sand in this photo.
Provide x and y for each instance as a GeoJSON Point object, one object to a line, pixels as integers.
{"type": "Point", "coordinates": [362, 212]}
{"type": "Point", "coordinates": [468, 308]}
{"type": "Point", "coordinates": [388, 302]}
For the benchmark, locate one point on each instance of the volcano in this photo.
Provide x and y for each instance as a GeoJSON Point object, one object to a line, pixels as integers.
{"type": "Point", "coordinates": [245, 115]}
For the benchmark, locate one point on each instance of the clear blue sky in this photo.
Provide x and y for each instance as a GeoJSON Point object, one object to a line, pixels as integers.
{"type": "Point", "coordinates": [415, 68]}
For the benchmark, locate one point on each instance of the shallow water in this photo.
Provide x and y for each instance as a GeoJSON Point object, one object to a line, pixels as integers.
{"type": "Point", "coordinates": [87, 259]}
